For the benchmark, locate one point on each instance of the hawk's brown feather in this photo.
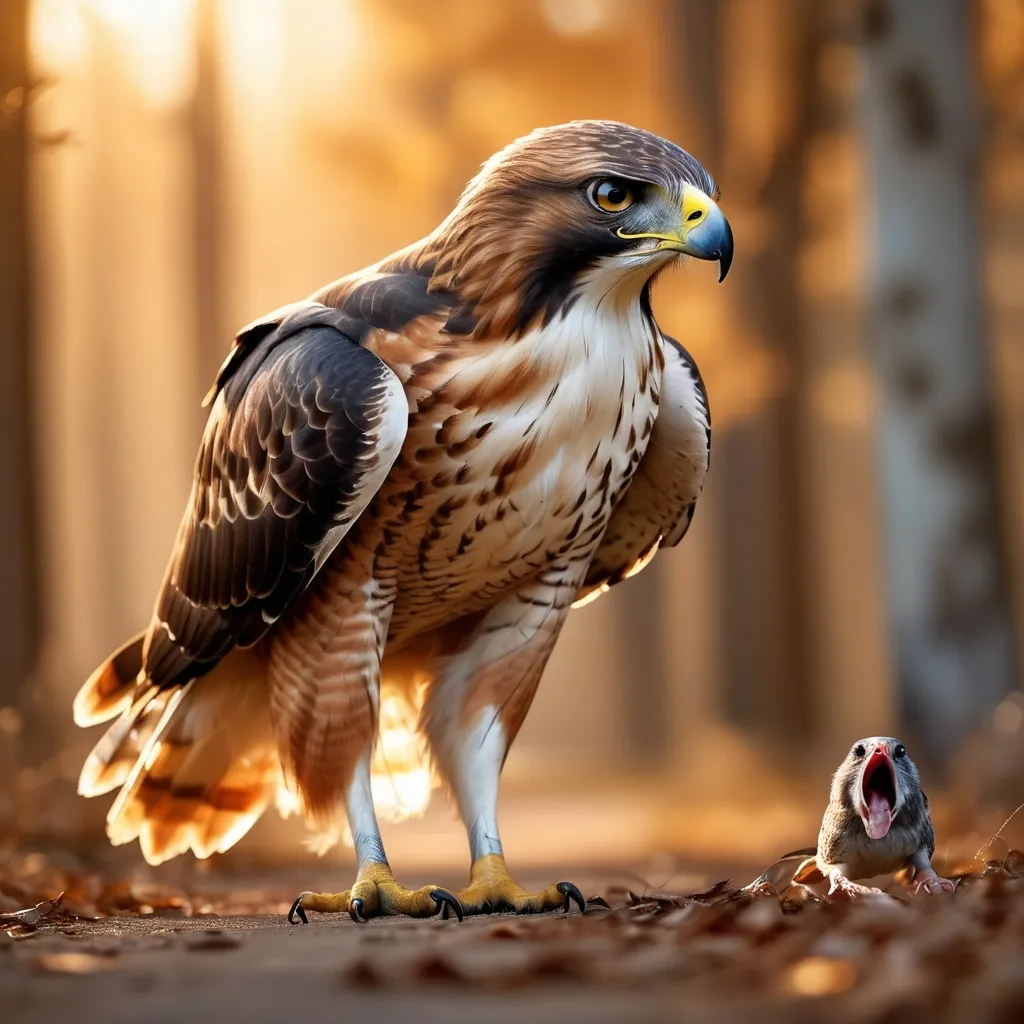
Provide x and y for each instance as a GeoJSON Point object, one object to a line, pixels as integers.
{"type": "Point", "coordinates": [421, 466]}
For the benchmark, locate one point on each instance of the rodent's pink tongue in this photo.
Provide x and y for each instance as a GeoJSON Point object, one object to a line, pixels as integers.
{"type": "Point", "coordinates": [879, 816]}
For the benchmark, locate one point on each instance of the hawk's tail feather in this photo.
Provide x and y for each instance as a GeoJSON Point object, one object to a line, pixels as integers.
{"type": "Point", "coordinates": [108, 691]}
{"type": "Point", "coordinates": [197, 764]}
{"type": "Point", "coordinates": [110, 763]}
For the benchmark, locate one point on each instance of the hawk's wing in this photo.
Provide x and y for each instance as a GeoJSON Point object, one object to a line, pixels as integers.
{"type": "Point", "coordinates": [658, 505]}
{"type": "Point", "coordinates": [304, 428]}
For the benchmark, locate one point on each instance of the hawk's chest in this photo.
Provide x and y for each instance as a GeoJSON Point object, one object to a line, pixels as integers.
{"type": "Point", "coordinates": [517, 453]}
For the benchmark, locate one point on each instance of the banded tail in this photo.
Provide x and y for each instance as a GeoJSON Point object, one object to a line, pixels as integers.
{"type": "Point", "coordinates": [196, 764]}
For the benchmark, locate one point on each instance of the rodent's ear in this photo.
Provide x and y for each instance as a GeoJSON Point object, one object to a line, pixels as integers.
{"type": "Point", "coordinates": [808, 873]}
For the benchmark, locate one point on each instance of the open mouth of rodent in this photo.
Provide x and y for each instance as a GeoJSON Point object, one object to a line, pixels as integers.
{"type": "Point", "coordinates": [878, 795]}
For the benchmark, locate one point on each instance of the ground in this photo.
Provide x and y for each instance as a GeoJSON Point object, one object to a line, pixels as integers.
{"type": "Point", "coordinates": [750, 950]}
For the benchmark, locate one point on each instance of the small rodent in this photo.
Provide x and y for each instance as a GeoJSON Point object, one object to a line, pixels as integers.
{"type": "Point", "coordinates": [876, 822]}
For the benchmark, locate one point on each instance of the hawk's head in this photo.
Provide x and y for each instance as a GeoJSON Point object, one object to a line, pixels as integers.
{"type": "Point", "coordinates": [588, 204]}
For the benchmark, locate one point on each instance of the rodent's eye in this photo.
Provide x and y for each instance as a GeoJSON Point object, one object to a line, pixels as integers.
{"type": "Point", "coordinates": [859, 751]}
{"type": "Point", "coordinates": [611, 195]}
{"type": "Point", "coordinates": [900, 751]}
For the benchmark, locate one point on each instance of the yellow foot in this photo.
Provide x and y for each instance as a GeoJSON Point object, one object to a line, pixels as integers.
{"type": "Point", "coordinates": [491, 888]}
{"type": "Point", "coordinates": [376, 894]}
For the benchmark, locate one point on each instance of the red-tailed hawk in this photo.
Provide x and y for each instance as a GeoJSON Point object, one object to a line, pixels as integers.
{"type": "Point", "coordinates": [412, 476]}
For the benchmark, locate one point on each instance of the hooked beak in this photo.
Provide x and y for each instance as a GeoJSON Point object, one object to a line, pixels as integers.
{"type": "Point", "coordinates": [877, 798]}
{"type": "Point", "coordinates": [702, 231]}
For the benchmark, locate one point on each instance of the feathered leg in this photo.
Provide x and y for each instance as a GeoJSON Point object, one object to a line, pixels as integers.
{"type": "Point", "coordinates": [473, 713]}
{"type": "Point", "coordinates": [325, 697]}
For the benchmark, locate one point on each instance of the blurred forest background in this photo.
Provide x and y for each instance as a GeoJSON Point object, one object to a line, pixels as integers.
{"type": "Point", "coordinates": [170, 169]}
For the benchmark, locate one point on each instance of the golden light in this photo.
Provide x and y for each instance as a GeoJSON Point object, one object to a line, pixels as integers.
{"type": "Point", "coordinates": [252, 37]}
{"type": "Point", "coordinates": [155, 37]}
{"type": "Point", "coordinates": [401, 779]}
{"type": "Point", "coordinates": [578, 17]}
{"type": "Point", "coordinates": [592, 596]}
{"type": "Point", "coordinates": [1009, 715]}
{"type": "Point", "coordinates": [57, 35]}
{"type": "Point", "coordinates": [817, 976]}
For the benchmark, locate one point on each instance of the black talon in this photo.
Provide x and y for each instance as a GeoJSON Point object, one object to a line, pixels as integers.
{"type": "Point", "coordinates": [355, 911]}
{"type": "Point", "coordinates": [572, 893]}
{"type": "Point", "coordinates": [444, 899]}
{"type": "Point", "coordinates": [297, 909]}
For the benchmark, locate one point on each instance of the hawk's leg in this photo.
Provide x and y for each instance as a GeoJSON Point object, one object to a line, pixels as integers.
{"type": "Point", "coordinates": [375, 892]}
{"type": "Point", "coordinates": [324, 673]}
{"type": "Point", "coordinates": [472, 715]}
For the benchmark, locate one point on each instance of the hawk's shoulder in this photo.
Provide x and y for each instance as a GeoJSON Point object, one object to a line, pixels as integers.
{"type": "Point", "coordinates": [304, 427]}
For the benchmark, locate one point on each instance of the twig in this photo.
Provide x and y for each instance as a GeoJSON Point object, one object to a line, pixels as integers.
{"type": "Point", "coordinates": [977, 856]}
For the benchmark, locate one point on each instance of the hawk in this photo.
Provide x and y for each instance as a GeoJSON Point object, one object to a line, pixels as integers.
{"type": "Point", "coordinates": [409, 479]}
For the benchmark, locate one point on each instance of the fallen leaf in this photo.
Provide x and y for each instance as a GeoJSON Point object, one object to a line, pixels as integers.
{"type": "Point", "coordinates": [505, 932]}
{"type": "Point", "coordinates": [817, 976]}
{"type": "Point", "coordinates": [718, 889]}
{"type": "Point", "coordinates": [73, 963]}
{"type": "Point", "coordinates": [143, 898]}
{"type": "Point", "coordinates": [555, 965]}
{"type": "Point", "coordinates": [436, 969]}
{"type": "Point", "coordinates": [1013, 863]}
{"type": "Point", "coordinates": [362, 974]}
{"type": "Point", "coordinates": [214, 938]}
{"type": "Point", "coordinates": [30, 919]}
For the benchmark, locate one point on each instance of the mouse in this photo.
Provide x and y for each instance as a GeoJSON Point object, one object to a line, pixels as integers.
{"type": "Point", "coordinates": [877, 821]}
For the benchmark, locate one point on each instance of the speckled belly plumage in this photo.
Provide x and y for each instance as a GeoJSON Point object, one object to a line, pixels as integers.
{"type": "Point", "coordinates": [486, 495]}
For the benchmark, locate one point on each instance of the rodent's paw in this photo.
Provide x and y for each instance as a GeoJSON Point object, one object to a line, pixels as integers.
{"type": "Point", "coordinates": [933, 885]}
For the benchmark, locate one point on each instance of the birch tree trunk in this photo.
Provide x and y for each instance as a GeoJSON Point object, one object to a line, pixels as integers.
{"type": "Point", "coordinates": [947, 608]}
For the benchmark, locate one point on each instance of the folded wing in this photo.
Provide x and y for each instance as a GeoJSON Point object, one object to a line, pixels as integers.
{"type": "Point", "coordinates": [304, 428]}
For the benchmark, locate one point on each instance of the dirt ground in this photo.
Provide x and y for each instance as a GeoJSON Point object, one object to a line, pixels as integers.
{"type": "Point", "coordinates": [123, 950]}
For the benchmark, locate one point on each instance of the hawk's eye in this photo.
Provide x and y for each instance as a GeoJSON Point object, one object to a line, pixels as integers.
{"type": "Point", "coordinates": [611, 196]}
{"type": "Point", "coordinates": [859, 751]}
{"type": "Point", "coordinates": [900, 751]}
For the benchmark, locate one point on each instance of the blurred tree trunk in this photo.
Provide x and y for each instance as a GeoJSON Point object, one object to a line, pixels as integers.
{"type": "Point", "coordinates": [18, 618]}
{"type": "Point", "coordinates": [849, 651]}
{"type": "Point", "coordinates": [212, 338]}
{"type": "Point", "coordinates": [943, 555]}
{"type": "Point", "coordinates": [762, 57]}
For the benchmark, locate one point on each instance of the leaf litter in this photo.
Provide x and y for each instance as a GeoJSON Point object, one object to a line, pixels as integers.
{"type": "Point", "coordinates": [948, 957]}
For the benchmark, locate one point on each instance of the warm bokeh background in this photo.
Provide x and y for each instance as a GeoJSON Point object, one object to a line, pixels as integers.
{"type": "Point", "coordinates": [170, 169]}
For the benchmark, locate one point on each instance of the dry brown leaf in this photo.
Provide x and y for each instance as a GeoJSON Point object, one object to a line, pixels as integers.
{"type": "Point", "coordinates": [143, 898]}
{"type": "Point", "coordinates": [818, 976]}
{"type": "Point", "coordinates": [30, 919]}
{"type": "Point", "coordinates": [214, 939]}
{"type": "Point", "coordinates": [436, 970]}
{"type": "Point", "coordinates": [1013, 864]}
{"type": "Point", "coordinates": [74, 963]}
{"type": "Point", "coordinates": [555, 965]}
{"type": "Point", "coordinates": [505, 932]}
{"type": "Point", "coordinates": [362, 974]}
{"type": "Point", "coordinates": [718, 890]}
